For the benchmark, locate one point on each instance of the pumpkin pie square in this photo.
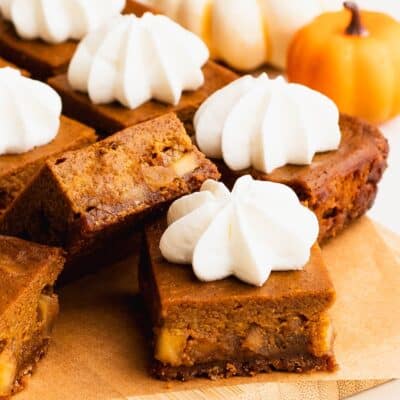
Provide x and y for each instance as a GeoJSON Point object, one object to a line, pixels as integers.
{"type": "Point", "coordinates": [28, 308]}
{"type": "Point", "coordinates": [43, 59]}
{"type": "Point", "coordinates": [17, 170]}
{"type": "Point", "coordinates": [111, 118]}
{"type": "Point", "coordinates": [82, 199]}
{"type": "Point", "coordinates": [229, 328]}
{"type": "Point", "coordinates": [338, 186]}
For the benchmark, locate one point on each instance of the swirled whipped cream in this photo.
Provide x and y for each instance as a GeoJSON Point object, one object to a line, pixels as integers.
{"type": "Point", "coordinates": [265, 124]}
{"type": "Point", "coordinates": [257, 228]}
{"type": "Point", "coordinates": [29, 113]}
{"type": "Point", "coordinates": [56, 21]}
{"type": "Point", "coordinates": [133, 60]}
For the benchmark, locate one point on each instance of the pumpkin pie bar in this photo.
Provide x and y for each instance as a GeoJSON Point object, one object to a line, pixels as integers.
{"type": "Point", "coordinates": [82, 198]}
{"type": "Point", "coordinates": [44, 59]}
{"type": "Point", "coordinates": [229, 328]}
{"type": "Point", "coordinates": [339, 186]}
{"type": "Point", "coordinates": [28, 308]}
{"type": "Point", "coordinates": [111, 118]}
{"type": "Point", "coordinates": [17, 170]}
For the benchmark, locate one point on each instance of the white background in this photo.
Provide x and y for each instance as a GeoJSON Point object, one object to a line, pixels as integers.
{"type": "Point", "coordinates": [386, 211]}
{"type": "Point", "coordinates": [386, 208]}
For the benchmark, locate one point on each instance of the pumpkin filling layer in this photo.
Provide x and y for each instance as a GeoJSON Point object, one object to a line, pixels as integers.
{"type": "Point", "coordinates": [20, 352]}
{"type": "Point", "coordinates": [294, 335]}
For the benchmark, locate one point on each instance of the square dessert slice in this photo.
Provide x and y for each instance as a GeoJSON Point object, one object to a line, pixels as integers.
{"type": "Point", "coordinates": [28, 308]}
{"type": "Point", "coordinates": [84, 197]}
{"type": "Point", "coordinates": [227, 328]}
{"type": "Point", "coordinates": [44, 59]}
{"type": "Point", "coordinates": [39, 58]}
{"type": "Point", "coordinates": [110, 118]}
{"type": "Point", "coordinates": [16, 170]}
{"type": "Point", "coordinates": [339, 186]}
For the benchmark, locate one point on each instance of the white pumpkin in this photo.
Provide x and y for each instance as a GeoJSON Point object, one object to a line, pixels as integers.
{"type": "Point", "coordinates": [246, 33]}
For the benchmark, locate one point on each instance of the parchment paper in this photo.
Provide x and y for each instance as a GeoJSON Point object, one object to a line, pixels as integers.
{"type": "Point", "coordinates": [100, 348]}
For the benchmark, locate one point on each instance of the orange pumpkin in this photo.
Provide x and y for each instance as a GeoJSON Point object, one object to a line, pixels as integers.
{"type": "Point", "coordinates": [356, 61]}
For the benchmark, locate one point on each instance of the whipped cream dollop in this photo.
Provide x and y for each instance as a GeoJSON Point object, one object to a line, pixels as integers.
{"type": "Point", "coordinates": [265, 124]}
{"type": "Point", "coordinates": [56, 21]}
{"type": "Point", "coordinates": [133, 60]}
{"type": "Point", "coordinates": [29, 112]}
{"type": "Point", "coordinates": [257, 228]}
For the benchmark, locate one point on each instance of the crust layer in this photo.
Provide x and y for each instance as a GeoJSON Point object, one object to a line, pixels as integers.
{"type": "Point", "coordinates": [225, 369]}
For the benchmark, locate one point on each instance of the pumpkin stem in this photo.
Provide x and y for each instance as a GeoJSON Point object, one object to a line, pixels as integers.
{"type": "Point", "coordinates": [356, 27]}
